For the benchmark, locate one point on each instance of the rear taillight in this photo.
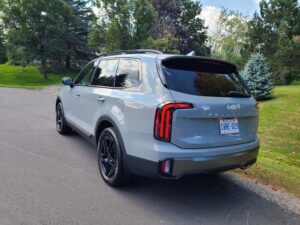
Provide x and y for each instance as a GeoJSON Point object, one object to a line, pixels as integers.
{"type": "Point", "coordinates": [163, 119]}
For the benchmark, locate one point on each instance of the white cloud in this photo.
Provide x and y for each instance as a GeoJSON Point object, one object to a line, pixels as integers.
{"type": "Point", "coordinates": [210, 15]}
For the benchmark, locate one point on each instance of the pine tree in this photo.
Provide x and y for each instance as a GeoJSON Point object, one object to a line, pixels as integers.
{"type": "Point", "coordinates": [79, 24]}
{"type": "Point", "coordinates": [257, 75]}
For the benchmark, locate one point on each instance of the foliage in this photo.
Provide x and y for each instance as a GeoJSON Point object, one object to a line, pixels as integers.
{"type": "Point", "coordinates": [79, 23]}
{"type": "Point", "coordinates": [36, 30]}
{"type": "Point", "coordinates": [171, 26]}
{"type": "Point", "coordinates": [229, 37]}
{"type": "Point", "coordinates": [271, 33]}
{"type": "Point", "coordinates": [2, 46]}
{"type": "Point", "coordinates": [144, 17]}
{"type": "Point", "coordinates": [167, 43]}
{"type": "Point", "coordinates": [192, 32]}
{"type": "Point", "coordinates": [181, 20]}
{"type": "Point", "coordinates": [257, 75]}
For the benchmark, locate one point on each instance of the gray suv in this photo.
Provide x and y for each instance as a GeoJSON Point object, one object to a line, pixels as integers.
{"type": "Point", "coordinates": [160, 115]}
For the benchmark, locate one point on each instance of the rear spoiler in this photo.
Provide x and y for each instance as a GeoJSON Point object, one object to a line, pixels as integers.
{"type": "Point", "coordinates": [198, 63]}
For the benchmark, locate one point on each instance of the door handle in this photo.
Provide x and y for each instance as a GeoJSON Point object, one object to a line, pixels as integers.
{"type": "Point", "coordinates": [77, 95]}
{"type": "Point", "coordinates": [101, 99]}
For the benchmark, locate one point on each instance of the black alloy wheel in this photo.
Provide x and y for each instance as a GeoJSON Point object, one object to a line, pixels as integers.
{"type": "Point", "coordinates": [110, 160]}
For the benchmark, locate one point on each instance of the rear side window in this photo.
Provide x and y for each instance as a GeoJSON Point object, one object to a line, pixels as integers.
{"type": "Point", "coordinates": [195, 76]}
{"type": "Point", "coordinates": [128, 73]}
{"type": "Point", "coordinates": [105, 73]}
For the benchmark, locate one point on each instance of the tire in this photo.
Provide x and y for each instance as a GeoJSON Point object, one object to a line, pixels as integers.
{"type": "Point", "coordinates": [110, 159]}
{"type": "Point", "coordinates": [61, 124]}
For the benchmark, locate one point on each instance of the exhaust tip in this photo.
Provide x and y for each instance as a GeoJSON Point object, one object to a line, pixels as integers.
{"type": "Point", "coordinates": [248, 164]}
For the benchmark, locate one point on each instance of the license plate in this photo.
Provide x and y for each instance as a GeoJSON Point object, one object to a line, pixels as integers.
{"type": "Point", "coordinates": [229, 126]}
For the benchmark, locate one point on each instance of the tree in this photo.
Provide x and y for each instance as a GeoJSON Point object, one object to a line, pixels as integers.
{"type": "Point", "coordinates": [271, 33]}
{"type": "Point", "coordinates": [117, 19]}
{"type": "Point", "coordinates": [168, 12]}
{"type": "Point", "coordinates": [2, 45]}
{"type": "Point", "coordinates": [192, 32]}
{"type": "Point", "coordinates": [36, 30]}
{"type": "Point", "coordinates": [79, 24]}
{"type": "Point", "coordinates": [257, 75]}
{"type": "Point", "coordinates": [144, 18]}
{"type": "Point", "coordinates": [181, 20]}
{"type": "Point", "coordinates": [230, 37]}
{"type": "Point", "coordinates": [2, 37]}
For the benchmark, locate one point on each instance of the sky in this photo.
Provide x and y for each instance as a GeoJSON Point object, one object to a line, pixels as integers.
{"type": "Point", "coordinates": [211, 9]}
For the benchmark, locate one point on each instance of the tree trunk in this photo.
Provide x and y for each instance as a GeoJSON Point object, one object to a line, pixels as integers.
{"type": "Point", "coordinates": [68, 59]}
{"type": "Point", "coordinates": [44, 69]}
{"type": "Point", "coordinates": [68, 63]}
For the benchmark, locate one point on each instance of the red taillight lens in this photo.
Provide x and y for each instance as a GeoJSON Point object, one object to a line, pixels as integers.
{"type": "Point", "coordinates": [163, 119]}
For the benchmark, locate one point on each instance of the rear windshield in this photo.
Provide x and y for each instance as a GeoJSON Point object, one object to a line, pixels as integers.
{"type": "Point", "coordinates": [203, 77]}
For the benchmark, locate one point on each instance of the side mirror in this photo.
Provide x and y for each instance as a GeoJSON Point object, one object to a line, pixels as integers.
{"type": "Point", "coordinates": [67, 81]}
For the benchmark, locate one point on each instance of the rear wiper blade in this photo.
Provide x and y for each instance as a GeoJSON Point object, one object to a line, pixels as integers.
{"type": "Point", "coordinates": [237, 94]}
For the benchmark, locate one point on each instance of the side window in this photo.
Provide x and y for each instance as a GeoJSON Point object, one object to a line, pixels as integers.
{"type": "Point", "coordinates": [105, 73]}
{"type": "Point", "coordinates": [128, 73]}
{"type": "Point", "coordinates": [86, 74]}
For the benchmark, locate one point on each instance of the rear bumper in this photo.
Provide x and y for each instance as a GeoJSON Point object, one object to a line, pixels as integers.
{"type": "Point", "coordinates": [183, 167]}
{"type": "Point", "coordinates": [193, 165]}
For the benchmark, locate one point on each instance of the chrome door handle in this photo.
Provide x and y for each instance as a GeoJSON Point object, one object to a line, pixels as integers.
{"type": "Point", "coordinates": [101, 99]}
{"type": "Point", "coordinates": [77, 95]}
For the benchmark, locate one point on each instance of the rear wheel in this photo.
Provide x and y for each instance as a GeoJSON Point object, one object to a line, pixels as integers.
{"type": "Point", "coordinates": [110, 159]}
{"type": "Point", "coordinates": [61, 125]}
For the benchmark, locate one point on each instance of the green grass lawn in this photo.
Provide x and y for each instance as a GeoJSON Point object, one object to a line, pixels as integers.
{"type": "Point", "coordinates": [27, 77]}
{"type": "Point", "coordinates": [278, 163]}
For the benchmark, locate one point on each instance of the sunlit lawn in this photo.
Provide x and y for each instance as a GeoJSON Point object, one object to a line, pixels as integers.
{"type": "Point", "coordinates": [27, 77]}
{"type": "Point", "coordinates": [279, 131]}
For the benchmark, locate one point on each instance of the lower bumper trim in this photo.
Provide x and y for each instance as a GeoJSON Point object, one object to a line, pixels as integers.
{"type": "Point", "coordinates": [214, 163]}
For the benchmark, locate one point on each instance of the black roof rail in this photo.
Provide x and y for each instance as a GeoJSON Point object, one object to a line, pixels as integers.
{"type": "Point", "coordinates": [133, 51]}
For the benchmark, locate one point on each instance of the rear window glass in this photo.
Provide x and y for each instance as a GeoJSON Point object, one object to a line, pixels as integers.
{"type": "Point", "coordinates": [204, 78]}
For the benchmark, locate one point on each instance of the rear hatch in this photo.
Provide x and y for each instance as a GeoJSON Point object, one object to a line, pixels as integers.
{"type": "Point", "coordinates": [223, 113]}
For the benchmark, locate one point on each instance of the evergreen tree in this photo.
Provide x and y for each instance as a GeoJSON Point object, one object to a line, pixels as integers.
{"type": "Point", "coordinates": [79, 23]}
{"type": "Point", "coordinates": [191, 30]}
{"type": "Point", "coordinates": [257, 75]}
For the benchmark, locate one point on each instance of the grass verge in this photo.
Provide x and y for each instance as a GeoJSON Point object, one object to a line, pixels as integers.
{"type": "Point", "coordinates": [27, 77]}
{"type": "Point", "coordinates": [278, 163]}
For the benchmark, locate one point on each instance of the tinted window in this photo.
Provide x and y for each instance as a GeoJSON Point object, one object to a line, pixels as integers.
{"type": "Point", "coordinates": [105, 73]}
{"type": "Point", "coordinates": [204, 79]}
{"type": "Point", "coordinates": [86, 74]}
{"type": "Point", "coordinates": [128, 73]}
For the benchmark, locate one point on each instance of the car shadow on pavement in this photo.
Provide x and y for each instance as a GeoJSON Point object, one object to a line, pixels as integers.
{"type": "Point", "coordinates": [200, 197]}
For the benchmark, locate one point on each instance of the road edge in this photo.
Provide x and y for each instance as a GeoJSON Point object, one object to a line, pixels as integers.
{"type": "Point", "coordinates": [285, 200]}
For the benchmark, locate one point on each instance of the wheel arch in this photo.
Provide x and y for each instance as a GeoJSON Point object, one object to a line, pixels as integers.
{"type": "Point", "coordinates": [104, 122]}
{"type": "Point", "coordinates": [58, 100]}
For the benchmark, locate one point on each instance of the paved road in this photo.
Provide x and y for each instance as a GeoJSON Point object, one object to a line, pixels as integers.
{"type": "Point", "coordinates": [48, 179]}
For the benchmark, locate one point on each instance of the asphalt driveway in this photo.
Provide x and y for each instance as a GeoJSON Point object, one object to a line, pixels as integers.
{"type": "Point", "coordinates": [49, 179]}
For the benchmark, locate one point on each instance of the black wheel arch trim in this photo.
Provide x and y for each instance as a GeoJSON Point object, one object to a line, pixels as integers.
{"type": "Point", "coordinates": [111, 121]}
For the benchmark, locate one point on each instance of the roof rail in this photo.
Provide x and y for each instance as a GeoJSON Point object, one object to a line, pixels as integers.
{"type": "Point", "coordinates": [133, 51]}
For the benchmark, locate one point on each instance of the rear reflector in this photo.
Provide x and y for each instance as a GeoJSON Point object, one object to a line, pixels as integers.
{"type": "Point", "coordinates": [163, 119]}
{"type": "Point", "coordinates": [166, 166]}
